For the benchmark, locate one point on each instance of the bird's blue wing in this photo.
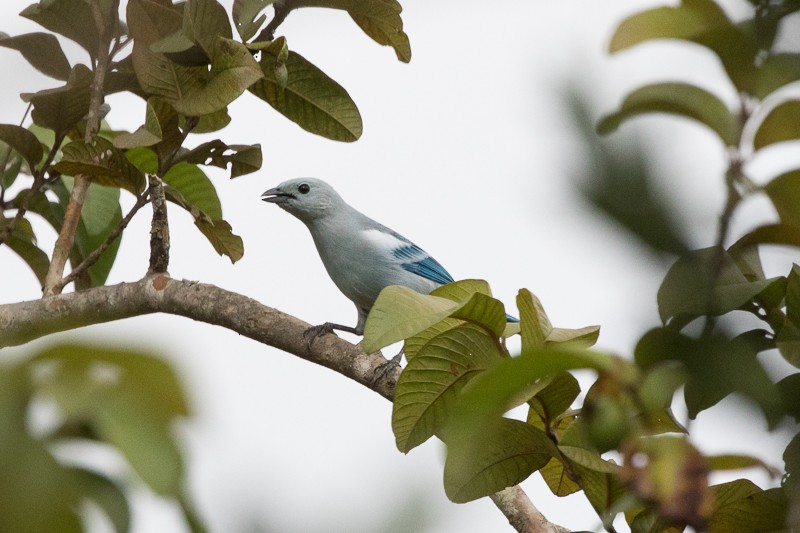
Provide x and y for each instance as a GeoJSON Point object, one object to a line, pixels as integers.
{"type": "Point", "coordinates": [416, 260]}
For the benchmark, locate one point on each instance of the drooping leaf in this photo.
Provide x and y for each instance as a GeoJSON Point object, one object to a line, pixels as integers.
{"type": "Point", "coordinates": [71, 18]}
{"type": "Point", "coordinates": [781, 124]}
{"type": "Point", "coordinates": [23, 141]}
{"type": "Point", "coordinates": [243, 159]}
{"type": "Point", "coordinates": [380, 19]}
{"type": "Point", "coordinates": [706, 282]}
{"type": "Point", "coordinates": [220, 234]}
{"type": "Point", "coordinates": [310, 98]}
{"type": "Point", "coordinates": [22, 242]}
{"type": "Point", "coordinates": [558, 479]}
{"type": "Point", "coordinates": [101, 161]}
{"type": "Point", "coordinates": [61, 108]}
{"type": "Point", "coordinates": [246, 16]}
{"type": "Point", "coordinates": [108, 495]}
{"type": "Point", "coordinates": [556, 396]}
{"type": "Point", "coordinates": [204, 22]}
{"type": "Point", "coordinates": [776, 71]}
{"type": "Point", "coordinates": [770, 234]}
{"type": "Point", "coordinates": [197, 193]}
{"type": "Point", "coordinates": [681, 99]}
{"type": "Point", "coordinates": [788, 387]}
{"type": "Point", "coordinates": [741, 506]}
{"type": "Point", "coordinates": [428, 387]}
{"type": "Point", "coordinates": [42, 51]}
{"type": "Point", "coordinates": [501, 454]}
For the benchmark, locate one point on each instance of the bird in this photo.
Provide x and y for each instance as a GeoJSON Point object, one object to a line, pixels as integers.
{"type": "Point", "coordinates": [362, 256]}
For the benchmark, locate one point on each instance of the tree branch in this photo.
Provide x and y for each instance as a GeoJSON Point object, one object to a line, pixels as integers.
{"type": "Point", "coordinates": [25, 321]}
{"type": "Point", "coordinates": [159, 228]}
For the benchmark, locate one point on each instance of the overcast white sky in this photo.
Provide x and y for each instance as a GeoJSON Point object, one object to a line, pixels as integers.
{"type": "Point", "coordinates": [467, 151]}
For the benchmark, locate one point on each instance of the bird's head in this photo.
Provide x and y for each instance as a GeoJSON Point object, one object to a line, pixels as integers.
{"type": "Point", "coordinates": [306, 198]}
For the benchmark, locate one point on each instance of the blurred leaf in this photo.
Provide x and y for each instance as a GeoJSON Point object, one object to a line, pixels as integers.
{"type": "Point", "coordinates": [742, 506]}
{"type": "Point", "coordinates": [660, 383]}
{"type": "Point", "coordinates": [793, 295]}
{"type": "Point", "coordinates": [784, 192]}
{"type": "Point", "coordinates": [246, 16]}
{"type": "Point", "coordinates": [9, 174]}
{"type": "Point", "coordinates": [782, 123]}
{"type": "Point", "coordinates": [769, 234]}
{"type": "Point", "coordinates": [102, 162]}
{"type": "Point", "coordinates": [499, 455]}
{"type": "Point", "coordinates": [676, 98]}
{"type": "Point", "coordinates": [310, 98]}
{"type": "Point", "coordinates": [689, 20]}
{"type": "Point", "coordinates": [601, 489]}
{"type": "Point", "coordinates": [787, 388]}
{"type": "Point", "coordinates": [23, 141]}
{"type": "Point", "coordinates": [788, 342]}
{"type": "Point", "coordinates": [738, 462]}
{"type": "Point", "coordinates": [428, 387]}
{"type": "Point", "coordinates": [716, 366]}
{"type": "Point", "coordinates": [776, 71]}
{"type": "Point", "coordinates": [108, 495]}
{"type": "Point", "coordinates": [61, 108]}
{"type": "Point", "coordinates": [706, 282]}
{"type": "Point", "coordinates": [42, 51]}
{"type": "Point", "coordinates": [220, 234]}
{"type": "Point", "coordinates": [71, 18]}
{"type": "Point", "coordinates": [243, 159]}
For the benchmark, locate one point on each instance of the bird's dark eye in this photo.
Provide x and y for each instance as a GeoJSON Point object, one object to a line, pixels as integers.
{"type": "Point", "coordinates": [304, 188]}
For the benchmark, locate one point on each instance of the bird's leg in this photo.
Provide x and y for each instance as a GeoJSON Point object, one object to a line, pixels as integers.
{"type": "Point", "coordinates": [312, 333]}
{"type": "Point", "coordinates": [384, 369]}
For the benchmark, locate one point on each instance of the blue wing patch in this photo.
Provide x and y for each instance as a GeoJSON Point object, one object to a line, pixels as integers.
{"type": "Point", "coordinates": [416, 260]}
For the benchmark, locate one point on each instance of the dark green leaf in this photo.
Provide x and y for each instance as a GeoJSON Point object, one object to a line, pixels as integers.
{"type": "Point", "coordinates": [42, 51]}
{"type": "Point", "coordinates": [776, 71]}
{"type": "Point", "coordinates": [101, 161]}
{"type": "Point", "coordinates": [788, 388]}
{"type": "Point", "coordinates": [428, 387]}
{"type": "Point", "coordinates": [380, 19]}
{"type": "Point", "coordinates": [197, 193]}
{"type": "Point", "coordinates": [71, 18]}
{"type": "Point", "coordinates": [781, 124]}
{"type": "Point", "coordinates": [681, 99]}
{"type": "Point", "coordinates": [310, 99]}
{"type": "Point", "coordinates": [100, 215]}
{"type": "Point", "coordinates": [742, 506]}
{"type": "Point", "coordinates": [738, 462]}
{"type": "Point", "coordinates": [500, 455]}
{"type": "Point", "coordinates": [706, 282]}
{"type": "Point", "coordinates": [210, 123]}
{"type": "Point", "coordinates": [793, 295]}
{"type": "Point", "coordinates": [243, 159]}
{"type": "Point", "coordinates": [9, 174]}
{"type": "Point", "coordinates": [558, 479]}
{"type": "Point", "coordinates": [784, 191]}
{"type": "Point", "coordinates": [246, 16]}
{"type": "Point", "coordinates": [23, 141]}
{"type": "Point", "coordinates": [220, 234]}
{"type": "Point", "coordinates": [588, 459]}
{"type": "Point", "coordinates": [788, 342]}
{"type": "Point", "coordinates": [204, 22]}
{"type": "Point", "coordinates": [108, 495]}
{"type": "Point", "coordinates": [61, 108]}
{"type": "Point", "coordinates": [555, 397]}
{"type": "Point", "coordinates": [22, 242]}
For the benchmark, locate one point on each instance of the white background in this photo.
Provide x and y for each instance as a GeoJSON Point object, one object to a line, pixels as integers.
{"type": "Point", "coordinates": [469, 151]}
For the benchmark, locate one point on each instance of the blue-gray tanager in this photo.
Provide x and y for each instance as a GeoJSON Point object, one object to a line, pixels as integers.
{"type": "Point", "coordinates": [361, 255]}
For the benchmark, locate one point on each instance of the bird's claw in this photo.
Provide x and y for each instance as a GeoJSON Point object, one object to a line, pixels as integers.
{"type": "Point", "coordinates": [315, 332]}
{"type": "Point", "coordinates": [384, 369]}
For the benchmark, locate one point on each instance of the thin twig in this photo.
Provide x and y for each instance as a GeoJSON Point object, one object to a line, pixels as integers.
{"type": "Point", "coordinates": [92, 258]}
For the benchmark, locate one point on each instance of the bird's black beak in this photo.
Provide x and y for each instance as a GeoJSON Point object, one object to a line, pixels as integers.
{"type": "Point", "coordinates": [276, 196]}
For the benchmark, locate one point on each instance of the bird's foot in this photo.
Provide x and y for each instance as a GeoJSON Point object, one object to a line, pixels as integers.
{"type": "Point", "coordinates": [315, 332]}
{"type": "Point", "coordinates": [384, 369]}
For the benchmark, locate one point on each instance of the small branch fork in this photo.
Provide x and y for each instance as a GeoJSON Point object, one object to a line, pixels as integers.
{"type": "Point", "coordinates": [24, 321]}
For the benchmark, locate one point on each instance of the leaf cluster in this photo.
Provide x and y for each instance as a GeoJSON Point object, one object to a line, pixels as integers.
{"type": "Point", "coordinates": [123, 400]}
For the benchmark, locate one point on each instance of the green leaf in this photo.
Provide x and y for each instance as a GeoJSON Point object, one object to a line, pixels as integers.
{"type": "Point", "coordinates": [706, 282]}
{"type": "Point", "coordinates": [738, 462]}
{"type": "Point", "coordinates": [399, 313]}
{"type": "Point", "coordinates": [500, 455]}
{"type": "Point", "coordinates": [589, 459]}
{"type": "Point", "coordinates": [100, 215]}
{"type": "Point", "coordinates": [415, 343]}
{"type": "Point", "coordinates": [71, 18]}
{"type": "Point", "coordinates": [676, 98]}
{"type": "Point", "coordinates": [461, 290]}
{"type": "Point", "coordinates": [692, 18]}
{"type": "Point", "coordinates": [148, 134]}
{"type": "Point", "coordinates": [770, 234]}
{"type": "Point", "coordinates": [197, 193]}
{"type": "Point", "coordinates": [60, 109]}
{"type": "Point", "coordinates": [742, 506]}
{"type": "Point", "coordinates": [781, 124]}
{"type": "Point", "coordinates": [22, 242]}
{"type": "Point", "coordinates": [310, 98]}
{"type": "Point", "coordinates": [484, 311]}
{"type": "Point", "coordinates": [380, 19]}
{"type": "Point", "coordinates": [660, 383]}
{"type": "Point", "coordinates": [246, 16]}
{"type": "Point", "coordinates": [42, 51]}
{"type": "Point", "coordinates": [787, 388]}
{"type": "Point", "coordinates": [788, 343]}
{"type": "Point", "coordinates": [555, 397]}
{"type": "Point", "coordinates": [585, 337]}
{"type": "Point", "coordinates": [243, 159]}
{"type": "Point", "coordinates": [108, 495]}
{"type": "Point", "coordinates": [428, 387]}
{"type": "Point", "coordinates": [557, 478]}
{"type": "Point", "coordinates": [784, 192]}
{"type": "Point", "coordinates": [211, 122]}
{"type": "Point", "coordinates": [776, 71]}
{"type": "Point", "coordinates": [101, 161]}
{"type": "Point", "coordinates": [534, 324]}
{"type": "Point", "coordinates": [793, 295]}
{"type": "Point", "coordinates": [220, 234]}
{"type": "Point", "coordinates": [204, 22]}
{"type": "Point", "coordinates": [23, 141]}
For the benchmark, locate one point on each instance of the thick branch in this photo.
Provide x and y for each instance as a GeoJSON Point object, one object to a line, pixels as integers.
{"type": "Point", "coordinates": [24, 321]}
